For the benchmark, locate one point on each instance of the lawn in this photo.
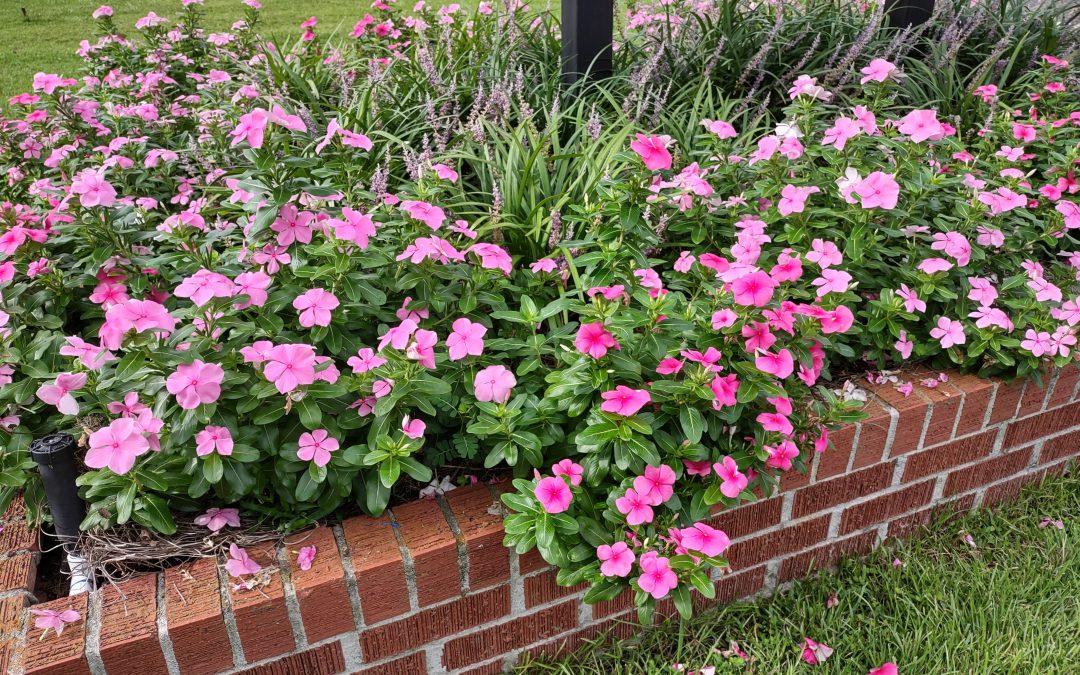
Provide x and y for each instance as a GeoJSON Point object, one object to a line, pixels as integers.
{"type": "Point", "coordinates": [1005, 602]}
{"type": "Point", "coordinates": [42, 35]}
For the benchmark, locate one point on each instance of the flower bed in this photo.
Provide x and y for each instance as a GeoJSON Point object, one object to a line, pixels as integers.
{"type": "Point", "coordinates": [430, 588]}
{"type": "Point", "coordinates": [244, 280]}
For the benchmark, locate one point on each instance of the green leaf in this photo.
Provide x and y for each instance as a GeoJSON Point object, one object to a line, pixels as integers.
{"type": "Point", "coordinates": [213, 468]}
{"type": "Point", "coordinates": [389, 470]}
{"type": "Point", "coordinates": [153, 512]}
{"type": "Point", "coordinates": [125, 503]}
{"type": "Point", "coordinates": [681, 596]}
{"type": "Point", "coordinates": [693, 424]}
{"type": "Point", "coordinates": [310, 413]}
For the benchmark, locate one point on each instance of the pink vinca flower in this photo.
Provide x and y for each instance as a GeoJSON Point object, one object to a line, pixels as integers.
{"type": "Point", "coordinates": [315, 307]}
{"type": "Point", "coordinates": [52, 619]}
{"type": "Point", "coordinates": [624, 401]}
{"type": "Point", "coordinates": [948, 332]}
{"type": "Point", "coordinates": [252, 128]}
{"type": "Point", "coordinates": [569, 468]}
{"type": "Point", "coordinates": [553, 494]}
{"type": "Point", "coordinates": [879, 70]}
{"type": "Point", "coordinates": [657, 578]}
{"type": "Point", "coordinates": [656, 485]}
{"type": "Point", "coordinates": [316, 447]}
{"type": "Point", "coordinates": [305, 557]}
{"type": "Point", "coordinates": [494, 384]}
{"type": "Point", "coordinates": [426, 213]}
{"type": "Point", "coordinates": [196, 383]}
{"type": "Point", "coordinates": [815, 653]}
{"type": "Point", "coordinates": [653, 151]}
{"type": "Point", "coordinates": [615, 560]}
{"type": "Point", "coordinates": [780, 364]}
{"type": "Point", "coordinates": [290, 366]}
{"type": "Point", "coordinates": [878, 190]}
{"type": "Point", "coordinates": [594, 339]}
{"type": "Point", "coordinates": [754, 289]}
{"type": "Point", "coordinates": [240, 563]}
{"type": "Point", "coordinates": [216, 519]}
{"type": "Point", "coordinates": [467, 339]}
{"type": "Point", "coordinates": [733, 480]}
{"type": "Point", "coordinates": [366, 359]}
{"type": "Point", "coordinates": [214, 439]}
{"type": "Point", "coordinates": [705, 539]}
{"type": "Point", "coordinates": [793, 198]}
{"type": "Point", "coordinates": [59, 392]}
{"type": "Point", "coordinates": [413, 428]}
{"type": "Point", "coordinates": [921, 125]}
{"type": "Point", "coordinates": [204, 285]}
{"type": "Point", "coordinates": [116, 446]}
{"type": "Point", "coordinates": [635, 507]}
{"type": "Point", "coordinates": [887, 668]}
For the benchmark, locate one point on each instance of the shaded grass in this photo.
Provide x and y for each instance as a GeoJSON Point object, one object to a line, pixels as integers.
{"type": "Point", "coordinates": [42, 35]}
{"type": "Point", "coordinates": [1010, 604]}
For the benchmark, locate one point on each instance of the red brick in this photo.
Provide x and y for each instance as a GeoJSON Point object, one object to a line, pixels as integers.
{"type": "Point", "coordinates": [510, 635]}
{"type": "Point", "coordinates": [11, 615]}
{"type": "Point", "coordinates": [905, 526]}
{"type": "Point", "coordinates": [1007, 491]}
{"type": "Point", "coordinates": [433, 548]}
{"type": "Point", "coordinates": [195, 622]}
{"type": "Point", "coordinates": [950, 455]}
{"type": "Point", "coordinates": [15, 511]}
{"type": "Point", "coordinates": [8, 649]}
{"type": "Point", "coordinates": [435, 623]}
{"type": "Point", "coordinates": [987, 471]}
{"type": "Point", "coordinates": [945, 402]}
{"type": "Point", "coordinates": [751, 552]}
{"type": "Point", "coordinates": [379, 568]}
{"type": "Point", "coordinates": [1006, 400]}
{"type": "Point", "coordinates": [834, 460]}
{"type": "Point", "coordinates": [542, 588]}
{"type": "Point", "coordinates": [413, 664]}
{"type": "Point", "coordinates": [802, 564]}
{"type": "Point", "coordinates": [129, 638]}
{"type": "Point", "coordinates": [18, 572]}
{"type": "Point", "coordinates": [873, 436]}
{"type": "Point", "coordinates": [1034, 395]}
{"type": "Point", "coordinates": [262, 619]}
{"type": "Point", "coordinates": [880, 509]}
{"type": "Point", "coordinates": [1064, 387]}
{"type": "Point", "coordinates": [912, 411]}
{"type": "Point", "coordinates": [843, 489]}
{"type": "Point", "coordinates": [1060, 447]}
{"type": "Point", "coordinates": [18, 536]}
{"type": "Point", "coordinates": [57, 654]}
{"type": "Point", "coordinates": [794, 479]}
{"type": "Point", "coordinates": [327, 659]}
{"type": "Point", "coordinates": [531, 561]}
{"type": "Point", "coordinates": [748, 518]}
{"type": "Point", "coordinates": [493, 668]}
{"type": "Point", "coordinates": [321, 591]}
{"type": "Point", "coordinates": [740, 585]}
{"type": "Point", "coordinates": [978, 393]}
{"type": "Point", "coordinates": [620, 603]}
{"type": "Point", "coordinates": [1027, 430]}
{"type": "Point", "coordinates": [489, 560]}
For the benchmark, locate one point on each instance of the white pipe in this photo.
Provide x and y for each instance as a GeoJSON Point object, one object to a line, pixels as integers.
{"type": "Point", "coordinates": [80, 575]}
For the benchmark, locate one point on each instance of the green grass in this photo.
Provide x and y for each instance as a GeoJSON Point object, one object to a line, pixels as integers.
{"type": "Point", "coordinates": [1011, 605]}
{"type": "Point", "coordinates": [42, 35]}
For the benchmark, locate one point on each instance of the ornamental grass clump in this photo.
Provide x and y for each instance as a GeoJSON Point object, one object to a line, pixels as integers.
{"type": "Point", "coordinates": [268, 279]}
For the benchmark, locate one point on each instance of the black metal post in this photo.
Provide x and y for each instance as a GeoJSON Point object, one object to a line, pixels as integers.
{"type": "Point", "coordinates": [587, 33]}
{"type": "Point", "coordinates": [55, 457]}
{"type": "Point", "coordinates": [907, 13]}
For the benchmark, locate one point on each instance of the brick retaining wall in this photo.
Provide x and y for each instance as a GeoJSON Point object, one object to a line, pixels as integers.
{"type": "Point", "coordinates": [430, 588]}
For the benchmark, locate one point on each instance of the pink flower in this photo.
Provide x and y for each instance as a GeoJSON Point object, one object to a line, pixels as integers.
{"type": "Point", "coordinates": [955, 245]}
{"type": "Point", "coordinates": [878, 190]}
{"type": "Point", "coordinates": [426, 213]}
{"type": "Point", "coordinates": [656, 486]}
{"type": "Point", "coordinates": [494, 384]}
{"type": "Point", "coordinates": [724, 390]}
{"type": "Point", "coordinates": [734, 481]}
{"type": "Point", "coordinates": [290, 366]}
{"type": "Point", "coordinates": [59, 392]}
{"type": "Point", "coordinates": [240, 563]}
{"type": "Point", "coordinates": [921, 125]}
{"type": "Point", "coordinates": [698, 468]}
{"type": "Point", "coordinates": [624, 401]}
{"type": "Point", "coordinates": [445, 172]}
{"type": "Point", "coordinates": [305, 557]}
{"type": "Point", "coordinates": [948, 332]}
{"type": "Point", "coordinates": [705, 539]}
{"type": "Point", "coordinates": [252, 128]}
{"type": "Point", "coordinates": [253, 285]}
{"type": "Point", "coordinates": [754, 289]}
{"type": "Point", "coordinates": [635, 507]}
{"type": "Point", "coordinates": [887, 668]}
{"type": "Point", "coordinates": [317, 446]}
{"type": "Point", "coordinates": [780, 456]}
{"type": "Point", "coordinates": [842, 131]}
{"type": "Point", "coordinates": [912, 303]}
{"type": "Point", "coordinates": [722, 129]}
{"type": "Point", "coordinates": [212, 439]}
{"type": "Point", "coordinates": [824, 253]}
{"type": "Point", "coordinates": [116, 446]}
{"type": "Point", "coordinates": [594, 339]}
{"type": "Point", "coordinates": [545, 265]}
{"type": "Point", "coordinates": [657, 578]}
{"type": "Point", "coordinates": [879, 70]}
{"type": "Point", "coordinates": [204, 285]}
{"type": "Point", "coordinates": [904, 345]}
{"type": "Point", "coordinates": [569, 468]}
{"type": "Point", "coordinates": [356, 227]}
{"type": "Point", "coordinates": [93, 189]}
{"type": "Point", "coordinates": [466, 339]}
{"type": "Point", "coordinates": [725, 318]}
{"type": "Point", "coordinates": [196, 383]}
{"type": "Point", "coordinates": [413, 428]}
{"type": "Point", "coordinates": [54, 619]}
{"type": "Point", "coordinates": [793, 198]}
{"type": "Point", "coordinates": [781, 364]}
{"type": "Point", "coordinates": [293, 225]}
{"type": "Point", "coordinates": [616, 560]}
{"type": "Point", "coordinates": [653, 151]}
{"type": "Point", "coordinates": [315, 307]}
{"type": "Point", "coordinates": [102, 11]}
{"type": "Point", "coordinates": [831, 281]}
{"type": "Point", "coordinates": [669, 366]}
{"type": "Point", "coordinates": [422, 348]}
{"type": "Point", "coordinates": [553, 494]}
{"type": "Point", "coordinates": [492, 257]}
{"type": "Point", "coordinates": [216, 519]}
{"type": "Point", "coordinates": [815, 653]}
{"type": "Point", "coordinates": [366, 359]}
